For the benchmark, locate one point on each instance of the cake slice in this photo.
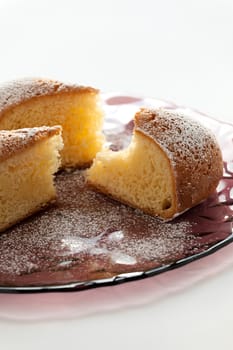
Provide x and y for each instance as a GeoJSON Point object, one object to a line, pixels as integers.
{"type": "Point", "coordinates": [35, 102]}
{"type": "Point", "coordinates": [28, 160]}
{"type": "Point", "coordinates": [172, 164]}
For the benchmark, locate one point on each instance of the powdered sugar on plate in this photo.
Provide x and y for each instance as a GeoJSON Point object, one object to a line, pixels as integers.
{"type": "Point", "coordinates": [88, 233]}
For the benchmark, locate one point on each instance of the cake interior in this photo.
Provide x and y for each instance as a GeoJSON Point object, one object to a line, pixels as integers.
{"type": "Point", "coordinates": [140, 176]}
{"type": "Point", "coordinates": [79, 114]}
{"type": "Point", "coordinates": [26, 180]}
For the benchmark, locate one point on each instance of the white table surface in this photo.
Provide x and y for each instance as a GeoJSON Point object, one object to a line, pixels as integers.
{"type": "Point", "coordinates": [179, 50]}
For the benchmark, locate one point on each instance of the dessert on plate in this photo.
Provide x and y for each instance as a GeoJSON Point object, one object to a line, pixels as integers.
{"type": "Point", "coordinates": [33, 102]}
{"type": "Point", "coordinates": [28, 159]}
{"type": "Point", "coordinates": [172, 164]}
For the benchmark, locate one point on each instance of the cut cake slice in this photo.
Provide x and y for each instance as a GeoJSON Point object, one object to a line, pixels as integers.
{"type": "Point", "coordinates": [28, 160]}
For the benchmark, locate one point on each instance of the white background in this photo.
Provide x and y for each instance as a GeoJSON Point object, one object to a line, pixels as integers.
{"type": "Point", "coordinates": [178, 50]}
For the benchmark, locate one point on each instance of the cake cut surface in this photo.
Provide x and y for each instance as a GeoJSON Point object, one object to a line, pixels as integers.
{"type": "Point", "coordinates": [36, 102]}
{"type": "Point", "coordinates": [172, 164]}
{"type": "Point", "coordinates": [28, 160]}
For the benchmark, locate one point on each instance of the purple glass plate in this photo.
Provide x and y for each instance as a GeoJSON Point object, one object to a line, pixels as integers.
{"type": "Point", "coordinates": [87, 240]}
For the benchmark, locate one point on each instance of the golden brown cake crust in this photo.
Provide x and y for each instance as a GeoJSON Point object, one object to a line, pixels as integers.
{"type": "Point", "coordinates": [17, 91]}
{"type": "Point", "coordinates": [15, 141]}
{"type": "Point", "coordinates": [194, 155]}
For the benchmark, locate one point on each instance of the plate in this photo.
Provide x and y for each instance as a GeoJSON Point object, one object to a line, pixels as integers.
{"type": "Point", "coordinates": [87, 240]}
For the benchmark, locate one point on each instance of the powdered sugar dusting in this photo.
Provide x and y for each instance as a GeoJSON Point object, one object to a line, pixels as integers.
{"type": "Point", "coordinates": [181, 137]}
{"type": "Point", "coordinates": [16, 91]}
{"type": "Point", "coordinates": [88, 233]}
{"type": "Point", "coordinates": [12, 142]}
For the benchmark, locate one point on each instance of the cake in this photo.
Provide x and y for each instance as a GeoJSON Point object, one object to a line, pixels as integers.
{"type": "Point", "coordinates": [28, 160]}
{"type": "Point", "coordinates": [172, 164]}
{"type": "Point", "coordinates": [35, 102]}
